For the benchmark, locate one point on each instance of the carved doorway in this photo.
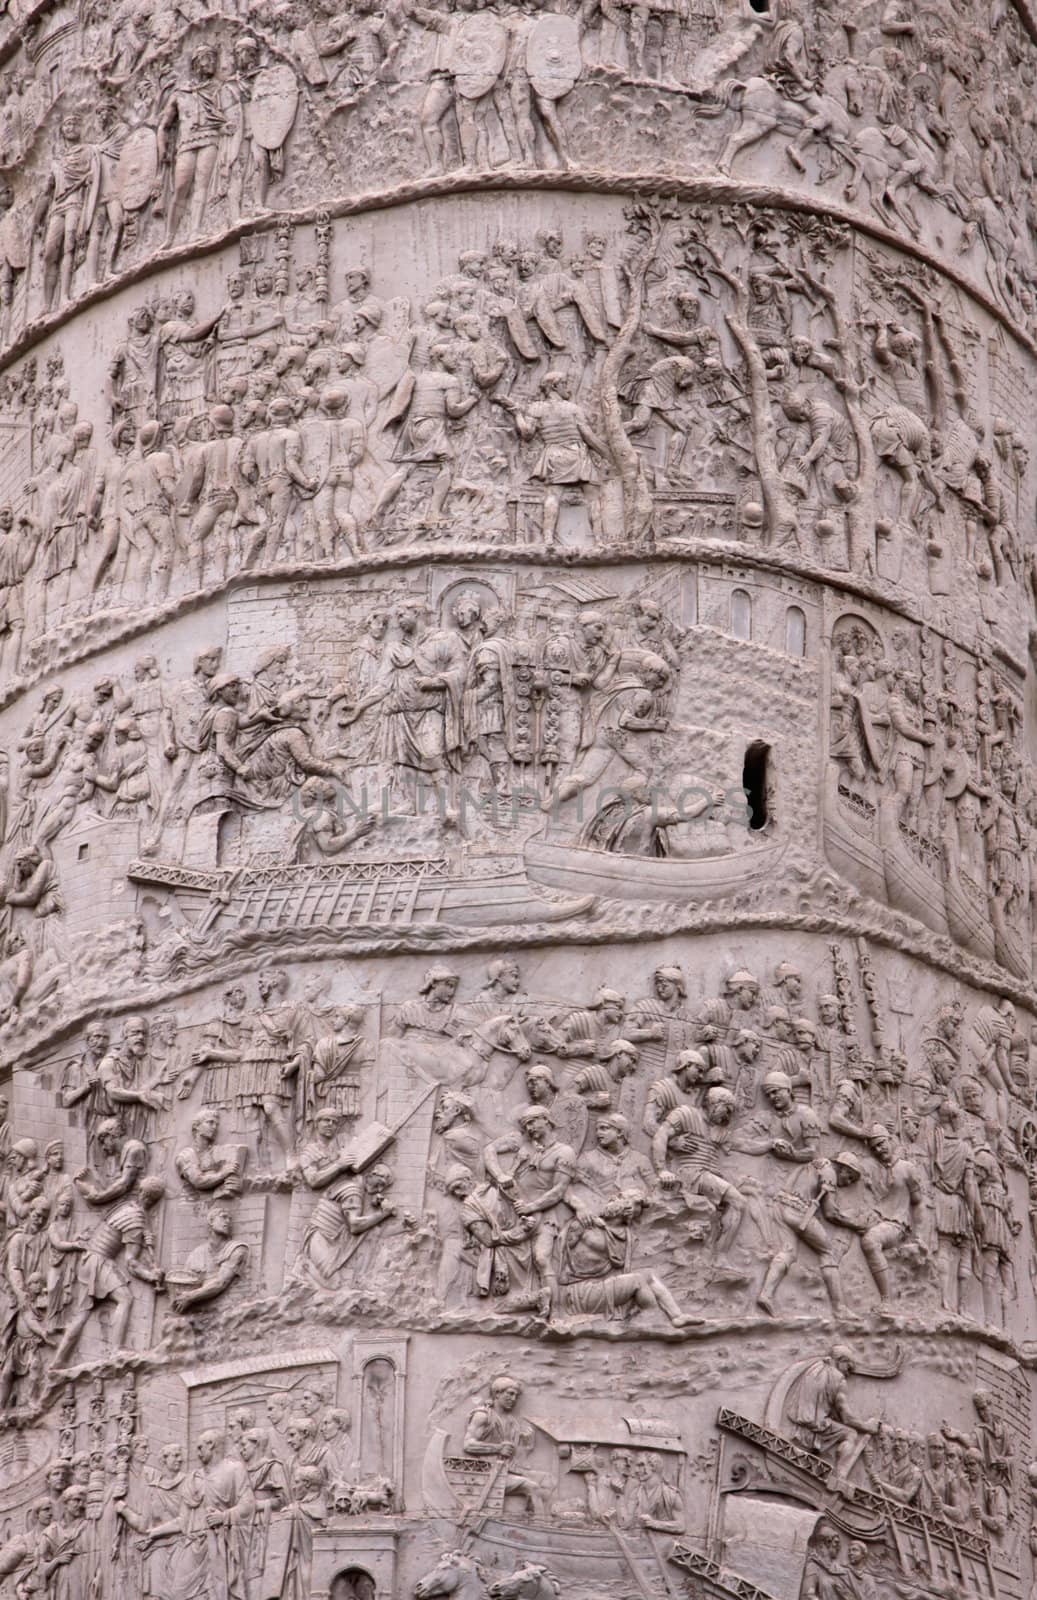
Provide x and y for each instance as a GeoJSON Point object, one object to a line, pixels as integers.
{"type": "Point", "coordinates": [353, 1584]}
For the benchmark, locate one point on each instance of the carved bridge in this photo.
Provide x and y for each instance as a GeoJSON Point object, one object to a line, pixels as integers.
{"type": "Point", "coordinates": [923, 1542]}
{"type": "Point", "coordinates": [725, 1585]}
{"type": "Point", "coordinates": [310, 894]}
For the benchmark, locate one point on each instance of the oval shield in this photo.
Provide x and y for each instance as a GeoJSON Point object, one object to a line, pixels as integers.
{"type": "Point", "coordinates": [480, 50]}
{"type": "Point", "coordinates": [136, 173]}
{"type": "Point", "coordinates": [16, 237]}
{"type": "Point", "coordinates": [553, 58]}
{"type": "Point", "coordinates": [275, 100]}
{"type": "Point", "coordinates": [309, 57]}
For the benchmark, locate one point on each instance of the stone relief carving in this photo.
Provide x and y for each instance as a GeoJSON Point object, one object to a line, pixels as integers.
{"type": "Point", "coordinates": [689, 1153]}
{"type": "Point", "coordinates": [734, 377]}
{"type": "Point", "coordinates": [462, 750]}
{"type": "Point", "coordinates": [517, 599]}
{"type": "Point", "coordinates": [137, 134]}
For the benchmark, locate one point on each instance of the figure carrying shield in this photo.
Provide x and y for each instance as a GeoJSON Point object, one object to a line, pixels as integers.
{"type": "Point", "coordinates": [14, 256]}
{"type": "Point", "coordinates": [542, 66]}
{"type": "Point", "coordinates": [198, 114]}
{"type": "Point", "coordinates": [480, 51]}
{"type": "Point", "coordinates": [262, 102]}
{"type": "Point", "coordinates": [441, 96]}
{"type": "Point", "coordinates": [470, 65]}
{"type": "Point", "coordinates": [495, 57]}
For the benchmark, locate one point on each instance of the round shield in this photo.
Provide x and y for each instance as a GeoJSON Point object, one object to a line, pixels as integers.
{"type": "Point", "coordinates": [136, 174]}
{"type": "Point", "coordinates": [553, 58]}
{"type": "Point", "coordinates": [480, 49]}
{"type": "Point", "coordinates": [15, 238]}
{"type": "Point", "coordinates": [275, 100]}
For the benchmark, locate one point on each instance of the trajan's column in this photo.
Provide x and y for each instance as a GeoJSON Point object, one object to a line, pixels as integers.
{"type": "Point", "coordinates": [518, 805]}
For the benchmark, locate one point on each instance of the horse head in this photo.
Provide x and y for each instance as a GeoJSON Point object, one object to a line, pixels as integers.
{"type": "Point", "coordinates": [528, 1582]}
{"type": "Point", "coordinates": [456, 1575]}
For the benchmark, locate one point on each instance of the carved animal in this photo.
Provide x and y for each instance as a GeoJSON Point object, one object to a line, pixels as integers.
{"type": "Point", "coordinates": [456, 1576]}
{"type": "Point", "coordinates": [528, 1582]}
{"type": "Point", "coordinates": [763, 109]}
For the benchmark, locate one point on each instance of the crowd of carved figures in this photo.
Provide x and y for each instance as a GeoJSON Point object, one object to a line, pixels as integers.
{"type": "Point", "coordinates": [918, 730]}
{"type": "Point", "coordinates": [794, 1153]}
{"type": "Point", "coordinates": [488, 715]}
{"type": "Point", "coordinates": [581, 1184]}
{"type": "Point", "coordinates": [113, 1521]}
{"type": "Point", "coordinates": [699, 375]}
{"type": "Point", "coordinates": [119, 1517]}
{"type": "Point", "coordinates": [127, 133]}
{"type": "Point", "coordinates": [462, 723]}
{"type": "Point", "coordinates": [768, 1150]}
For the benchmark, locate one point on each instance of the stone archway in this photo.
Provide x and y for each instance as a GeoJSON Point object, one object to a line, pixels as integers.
{"type": "Point", "coordinates": [353, 1583]}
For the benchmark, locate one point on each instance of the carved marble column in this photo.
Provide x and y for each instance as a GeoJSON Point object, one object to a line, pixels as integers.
{"type": "Point", "coordinates": [517, 805]}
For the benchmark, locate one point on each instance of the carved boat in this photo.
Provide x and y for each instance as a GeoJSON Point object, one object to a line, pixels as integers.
{"type": "Point", "coordinates": [613, 876]}
{"type": "Point", "coordinates": [967, 916]}
{"type": "Point", "coordinates": [851, 842]}
{"type": "Point", "coordinates": [915, 875]}
{"type": "Point", "coordinates": [924, 1542]}
{"type": "Point", "coordinates": [630, 1560]}
{"type": "Point", "coordinates": [1011, 950]}
{"type": "Point", "coordinates": [866, 843]}
{"type": "Point", "coordinates": [470, 1493]}
{"type": "Point", "coordinates": [355, 895]}
{"type": "Point", "coordinates": [569, 1552]}
{"type": "Point", "coordinates": [912, 884]}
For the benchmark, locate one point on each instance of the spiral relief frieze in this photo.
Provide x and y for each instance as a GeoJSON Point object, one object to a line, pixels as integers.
{"type": "Point", "coordinates": [517, 801]}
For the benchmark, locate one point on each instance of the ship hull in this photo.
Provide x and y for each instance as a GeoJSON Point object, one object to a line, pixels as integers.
{"type": "Point", "coordinates": [662, 879]}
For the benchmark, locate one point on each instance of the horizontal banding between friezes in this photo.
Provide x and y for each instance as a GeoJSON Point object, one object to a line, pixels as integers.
{"type": "Point", "coordinates": [518, 800]}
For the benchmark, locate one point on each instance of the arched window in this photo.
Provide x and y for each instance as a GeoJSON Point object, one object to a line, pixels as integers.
{"type": "Point", "coordinates": [741, 614]}
{"type": "Point", "coordinates": [755, 783]}
{"type": "Point", "coordinates": [353, 1584]}
{"type": "Point", "coordinates": [795, 631]}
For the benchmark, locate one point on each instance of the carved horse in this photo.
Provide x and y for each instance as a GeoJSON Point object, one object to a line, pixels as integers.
{"type": "Point", "coordinates": [887, 170]}
{"type": "Point", "coordinates": [458, 1576]}
{"type": "Point", "coordinates": [763, 109]}
{"type": "Point", "coordinates": [465, 1060]}
{"type": "Point", "coordinates": [528, 1582]}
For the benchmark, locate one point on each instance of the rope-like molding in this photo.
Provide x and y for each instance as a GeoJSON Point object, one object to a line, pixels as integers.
{"type": "Point", "coordinates": [896, 933]}
{"type": "Point", "coordinates": [707, 552]}
{"type": "Point", "coordinates": [713, 188]}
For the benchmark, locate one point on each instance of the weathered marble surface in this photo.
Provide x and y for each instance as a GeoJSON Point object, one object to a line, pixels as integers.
{"type": "Point", "coordinates": [517, 802]}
